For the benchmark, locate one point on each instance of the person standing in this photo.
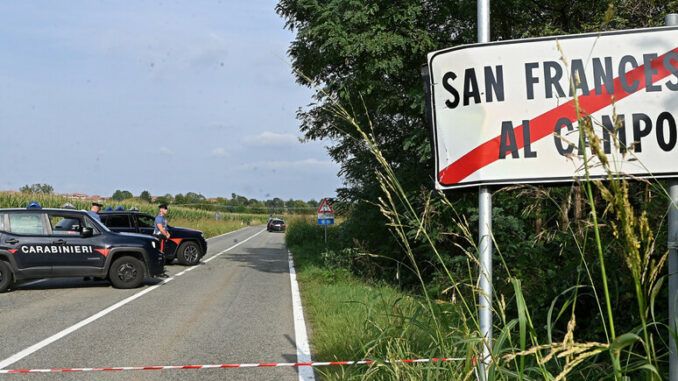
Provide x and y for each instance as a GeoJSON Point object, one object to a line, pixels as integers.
{"type": "Point", "coordinates": [94, 211]}
{"type": "Point", "coordinates": [160, 230]}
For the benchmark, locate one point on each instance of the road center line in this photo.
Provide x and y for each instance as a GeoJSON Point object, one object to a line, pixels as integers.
{"type": "Point", "coordinates": [36, 347]}
{"type": "Point", "coordinates": [225, 234]}
{"type": "Point", "coordinates": [300, 336]}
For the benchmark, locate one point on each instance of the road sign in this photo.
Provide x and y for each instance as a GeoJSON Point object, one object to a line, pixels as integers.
{"type": "Point", "coordinates": [325, 207]}
{"type": "Point", "coordinates": [504, 112]}
{"type": "Point", "coordinates": [325, 213]}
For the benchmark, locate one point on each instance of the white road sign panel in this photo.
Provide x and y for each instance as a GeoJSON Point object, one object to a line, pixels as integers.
{"type": "Point", "coordinates": [504, 112]}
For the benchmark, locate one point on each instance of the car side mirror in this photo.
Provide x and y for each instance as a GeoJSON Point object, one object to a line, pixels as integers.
{"type": "Point", "coordinates": [86, 232]}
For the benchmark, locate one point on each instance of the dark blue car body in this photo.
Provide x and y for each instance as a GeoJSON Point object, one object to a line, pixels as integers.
{"type": "Point", "coordinates": [181, 239]}
{"type": "Point", "coordinates": [34, 245]}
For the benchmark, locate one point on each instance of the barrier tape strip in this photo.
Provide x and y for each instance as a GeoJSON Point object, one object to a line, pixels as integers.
{"type": "Point", "coordinates": [256, 365]}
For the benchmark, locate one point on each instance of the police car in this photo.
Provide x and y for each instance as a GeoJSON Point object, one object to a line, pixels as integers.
{"type": "Point", "coordinates": [47, 243]}
{"type": "Point", "coordinates": [186, 245]}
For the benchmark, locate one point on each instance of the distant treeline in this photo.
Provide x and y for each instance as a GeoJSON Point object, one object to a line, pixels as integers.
{"type": "Point", "coordinates": [235, 204]}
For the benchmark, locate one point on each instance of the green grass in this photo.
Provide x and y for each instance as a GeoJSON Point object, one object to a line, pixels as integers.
{"type": "Point", "coordinates": [352, 319]}
{"type": "Point", "coordinates": [21, 200]}
{"type": "Point", "coordinates": [211, 227]}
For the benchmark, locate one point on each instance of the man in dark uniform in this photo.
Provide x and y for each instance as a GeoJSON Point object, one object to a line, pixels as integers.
{"type": "Point", "coordinates": [94, 211]}
{"type": "Point", "coordinates": [160, 230]}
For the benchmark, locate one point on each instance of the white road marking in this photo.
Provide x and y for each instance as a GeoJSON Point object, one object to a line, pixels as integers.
{"type": "Point", "coordinates": [225, 234]}
{"type": "Point", "coordinates": [36, 347]}
{"type": "Point", "coordinates": [300, 336]}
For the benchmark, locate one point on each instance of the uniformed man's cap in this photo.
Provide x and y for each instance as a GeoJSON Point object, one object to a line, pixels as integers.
{"type": "Point", "coordinates": [96, 204]}
{"type": "Point", "coordinates": [162, 206]}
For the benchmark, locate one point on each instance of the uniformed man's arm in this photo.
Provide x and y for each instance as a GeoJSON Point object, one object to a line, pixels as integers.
{"type": "Point", "coordinates": [162, 230]}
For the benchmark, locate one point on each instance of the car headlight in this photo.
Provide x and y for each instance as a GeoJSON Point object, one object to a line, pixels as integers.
{"type": "Point", "coordinates": [153, 244]}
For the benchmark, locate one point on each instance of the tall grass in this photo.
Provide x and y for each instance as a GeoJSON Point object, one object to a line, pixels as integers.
{"type": "Point", "coordinates": [518, 350]}
{"type": "Point", "coordinates": [21, 200]}
{"type": "Point", "coordinates": [354, 318]}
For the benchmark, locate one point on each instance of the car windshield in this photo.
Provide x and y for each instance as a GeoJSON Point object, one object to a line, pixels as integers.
{"type": "Point", "coordinates": [91, 222]}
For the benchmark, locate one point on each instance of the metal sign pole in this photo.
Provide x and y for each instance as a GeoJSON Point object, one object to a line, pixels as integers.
{"type": "Point", "coordinates": [672, 20]}
{"type": "Point", "coordinates": [485, 228]}
{"type": "Point", "coordinates": [485, 253]}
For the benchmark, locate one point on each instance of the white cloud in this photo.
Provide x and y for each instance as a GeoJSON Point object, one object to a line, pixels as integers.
{"type": "Point", "coordinates": [165, 150]}
{"type": "Point", "coordinates": [289, 164]}
{"type": "Point", "coordinates": [219, 152]}
{"type": "Point", "coordinates": [268, 138]}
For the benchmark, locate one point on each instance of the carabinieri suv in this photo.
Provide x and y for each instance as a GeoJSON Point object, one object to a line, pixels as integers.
{"type": "Point", "coordinates": [49, 243]}
{"type": "Point", "coordinates": [186, 245]}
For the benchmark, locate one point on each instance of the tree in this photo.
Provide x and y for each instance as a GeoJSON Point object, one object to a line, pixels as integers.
{"type": "Point", "coordinates": [37, 189]}
{"type": "Point", "coordinates": [192, 197]}
{"type": "Point", "coordinates": [119, 195]}
{"type": "Point", "coordinates": [179, 199]}
{"type": "Point", "coordinates": [146, 196]}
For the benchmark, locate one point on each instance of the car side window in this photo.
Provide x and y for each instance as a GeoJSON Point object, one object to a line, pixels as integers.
{"type": "Point", "coordinates": [88, 223]}
{"type": "Point", "coordinates": [2, 222]}
{"type": "Point", "coordinates": [117, 221]}
{"type": "Point", "coordinates": [65, 225]}
{"type": "Point", "coordinates": [145, 221]}
{"type": "Point", "coordinates": [26, 223]}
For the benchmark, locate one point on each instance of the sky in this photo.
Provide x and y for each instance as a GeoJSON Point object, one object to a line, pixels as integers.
{"type": "Point", "coordinates": [165, 96]}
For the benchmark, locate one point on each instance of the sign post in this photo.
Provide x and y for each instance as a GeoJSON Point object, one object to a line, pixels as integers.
{"type": "Point", "coordinates": [485, 229]}
{"type": "Point", "coordinates": [672, 20]}
{"type": "Point", "coordinates": [325, 215]}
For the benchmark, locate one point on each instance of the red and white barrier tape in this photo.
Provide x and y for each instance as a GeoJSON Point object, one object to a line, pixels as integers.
{"type": "Point", "coordinates": [257, 365]}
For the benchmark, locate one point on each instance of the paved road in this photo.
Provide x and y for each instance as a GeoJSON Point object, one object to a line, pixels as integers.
{"type": "Point", "coordinates": [234, 308]}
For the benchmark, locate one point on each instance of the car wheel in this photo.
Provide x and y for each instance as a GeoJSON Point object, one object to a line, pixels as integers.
{"type": "Point", "coordinates": [127, 272]}
{"type": "Point", "coordinates": [5, 276]}
{"type": "Point", "coordinates": [189, 253]}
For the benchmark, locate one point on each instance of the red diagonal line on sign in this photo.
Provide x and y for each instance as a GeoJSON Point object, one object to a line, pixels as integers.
{"type": "Point", "coordinates": [543, 125]}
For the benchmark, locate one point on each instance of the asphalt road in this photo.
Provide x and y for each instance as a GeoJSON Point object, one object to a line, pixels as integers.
{"type": "Point", "coordinates": [235, 308]}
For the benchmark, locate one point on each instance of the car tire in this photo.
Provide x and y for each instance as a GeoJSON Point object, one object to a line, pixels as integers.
{"type": "Point", "coordinates": [127, 272]}
{"type": "Point", "coordinates": [5, 276]}
{"type": "Point", "coordinates": [189, 253]}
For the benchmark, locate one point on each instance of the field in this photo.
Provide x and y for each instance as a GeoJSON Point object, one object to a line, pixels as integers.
{"type": "Point", "coordinates": [177, 216]}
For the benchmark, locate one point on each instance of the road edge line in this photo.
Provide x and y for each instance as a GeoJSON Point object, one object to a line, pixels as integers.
{"type": "Point", "coordinates": [300, 334]}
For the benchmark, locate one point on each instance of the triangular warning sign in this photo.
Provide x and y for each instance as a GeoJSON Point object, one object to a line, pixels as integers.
{"type": "Point", "coordinates": [325, 207]}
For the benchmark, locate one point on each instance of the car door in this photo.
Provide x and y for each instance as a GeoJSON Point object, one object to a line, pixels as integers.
{"type": "Point", "coordinates": [74, 253]}
{"type": "Point", "coordinates": [145, 223]}
{"type": "Point", "coordinates": [25, 236]}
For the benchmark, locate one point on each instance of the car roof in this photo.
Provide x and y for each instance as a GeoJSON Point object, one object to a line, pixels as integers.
{"type": "Point", "coordinates": [39, 210]}
{"type": "Point", "coordinates": [122, 212]}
